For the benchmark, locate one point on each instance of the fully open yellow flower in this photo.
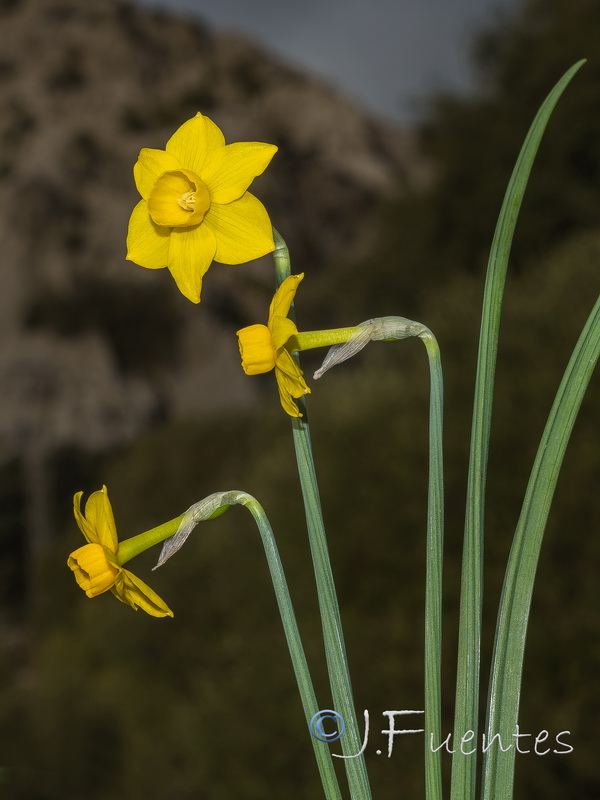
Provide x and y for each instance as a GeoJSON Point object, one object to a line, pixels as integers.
{"type": "Point", "coordinates": [195, 206]}
{"type": "Point", "coordinates": [95, 564]}
{"type": "Point", "coordinates": [263, 347]}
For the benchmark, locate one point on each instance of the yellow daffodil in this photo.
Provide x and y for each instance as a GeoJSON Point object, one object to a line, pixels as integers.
{"type": "Point", "coordinates": [263, 347]}
{"type": "Point", "coordinates": [95, 564]}
{"type": "Point", "coordinates": [195, 207]}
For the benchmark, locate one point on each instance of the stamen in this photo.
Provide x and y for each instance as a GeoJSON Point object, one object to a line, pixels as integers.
{"type": "Point", "coordinates": [187, 201]}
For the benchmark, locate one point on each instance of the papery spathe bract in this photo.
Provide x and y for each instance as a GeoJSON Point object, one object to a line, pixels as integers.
{"type": "Point", "coordinates": [372, 330]}
{"type": "Point", "coordinates": [209, 508]}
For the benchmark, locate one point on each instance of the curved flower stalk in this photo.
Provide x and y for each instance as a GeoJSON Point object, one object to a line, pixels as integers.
{"type": "Point", "coordinates": [195, 206]}
{"type": "Point", "coordinates": [212, 506]}
{"type": "Point", "coordinates": [97, 566]}
{"type": "Point", "coordinates": [345, 343]}
{"type": "Point", "coordinates": [393, 329]}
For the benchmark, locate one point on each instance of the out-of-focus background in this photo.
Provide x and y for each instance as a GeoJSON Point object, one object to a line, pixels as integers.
{"type": "Point", "coordinates": [396, 142]}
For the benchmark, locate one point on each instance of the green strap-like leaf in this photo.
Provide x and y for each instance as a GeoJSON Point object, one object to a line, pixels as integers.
{"type": "Point", "coordinates": [509, 648]}
{"type": "Point", "coordinates": [464, 767]}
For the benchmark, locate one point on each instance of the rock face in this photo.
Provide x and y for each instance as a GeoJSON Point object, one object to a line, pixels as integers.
{"type": "Point", "coordinates": [84, 86]}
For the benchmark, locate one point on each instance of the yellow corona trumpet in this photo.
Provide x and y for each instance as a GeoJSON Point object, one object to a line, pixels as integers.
{"type": "Point", "coordinates": [195, 207]}
{"type": "Point", "coordinates": [263, 347]}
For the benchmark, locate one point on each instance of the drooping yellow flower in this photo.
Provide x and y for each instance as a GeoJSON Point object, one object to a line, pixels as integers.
{"type": "Point", "coordinates": [95, 564]}
{"type": "Point", "coordinates": [195, 207]}
{"type": "Point", "coordinates": [262, 347]}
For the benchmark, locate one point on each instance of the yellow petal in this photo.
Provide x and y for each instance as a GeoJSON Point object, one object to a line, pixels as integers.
{"type": "Point", "coordinates": [191, 252]}
{"type": "Point", "coordinates": [231, 169]}
{"type": "Point", "coordinates": [150, 166]}
{"type": "Point", "coordinates": [290, 383]}
{"type": "Point", "coordinates": [242, 229]}
{"type": "Point", "coordinates": [99, 514]}
{"type": "Point", "coordinates": [82, 523]}
{"type": "Point", "coordinates": [147, 243]}
{"type": "Point", "coordinates": [137, 594]}
{"type": "Point", "coordinates": [281, 329]}
{"type": "Point", "coordinates": [284, 296]}
{"type": "Point", "coordinates": [285, 398]}
{"type": "Point", "coordinates": [291, 375]}
{"type": "Point", "coordinates": [194, 142]}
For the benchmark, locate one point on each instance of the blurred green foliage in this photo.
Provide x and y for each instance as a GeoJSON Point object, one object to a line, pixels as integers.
{"type": "Point", "coordinates": [101, 702]}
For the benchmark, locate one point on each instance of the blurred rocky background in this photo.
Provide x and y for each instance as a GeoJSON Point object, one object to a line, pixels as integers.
{"type": "Point", "coordinates": [108, 375]}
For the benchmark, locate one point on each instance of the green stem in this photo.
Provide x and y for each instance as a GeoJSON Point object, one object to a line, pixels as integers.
{"type": "Point", "coordinates": [213, 506]}
{"type": "Point", "coordinates": [309, 340]}
{"type": "Point", "coordinates": [513, 615]}
{"type": "Point", "coordinates": [464, 765]}
{"type": "Point", "coordinates": [333, 638]}
{"type": "Point", "coordinates": [130, 548]}
{"type": "Point", "coordinates": [292, 635]}
{"type": "Point", "coordinates": [433, 583]}
{"type": "Point", "coordinates": [393, 329]}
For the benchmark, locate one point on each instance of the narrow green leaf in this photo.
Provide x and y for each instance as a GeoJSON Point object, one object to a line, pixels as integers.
{"type": "Point", "coordinates": [509, 648]}
{"type": "Point", "coordinates": [464, 767]}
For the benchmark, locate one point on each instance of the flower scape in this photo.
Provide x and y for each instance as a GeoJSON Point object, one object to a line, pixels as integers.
{"type": "Point", "coordinates": [195, 207]}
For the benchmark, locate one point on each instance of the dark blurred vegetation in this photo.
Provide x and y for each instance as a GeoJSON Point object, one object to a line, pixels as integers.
{"type": "Point", "coordinates": [473, 142]}
{"type": "Point", "coordinates": [101, 702]}
{"type": "Point", "coordinates": [140, 324]}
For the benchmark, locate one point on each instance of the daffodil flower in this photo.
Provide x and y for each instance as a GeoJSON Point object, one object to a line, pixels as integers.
{"type": "Point", "coordinates": [263, 347]}
{"type": "Point", "coordinates": [195, 207]}
{"type": "Point", "coordinates": [96, 566]}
